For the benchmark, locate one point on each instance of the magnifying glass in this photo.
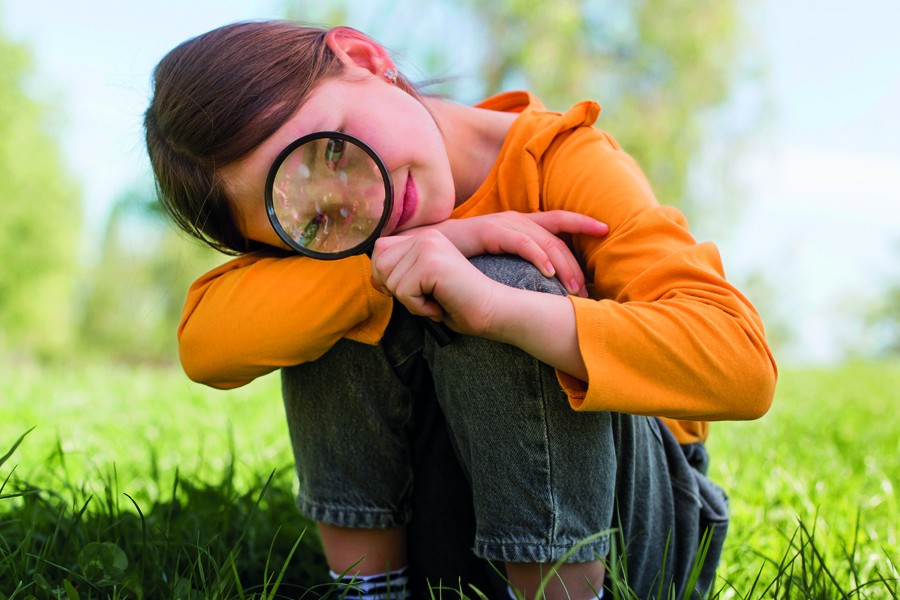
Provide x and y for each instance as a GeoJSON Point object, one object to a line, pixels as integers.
{"type": "Point", "coordinates": [329, 196]}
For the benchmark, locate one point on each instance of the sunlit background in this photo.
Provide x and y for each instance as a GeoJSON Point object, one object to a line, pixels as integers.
{"type": "Point", "coordinates": [797, 176]}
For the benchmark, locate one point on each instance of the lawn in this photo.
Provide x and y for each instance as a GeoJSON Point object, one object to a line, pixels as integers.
{"type": "Point", "coordinates": [135, 483]}
{"type": "Point", "coordinates": [819, 472]}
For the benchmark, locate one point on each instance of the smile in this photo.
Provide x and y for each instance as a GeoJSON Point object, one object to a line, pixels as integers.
{"type": "Point", "coordinates": [410, 201]}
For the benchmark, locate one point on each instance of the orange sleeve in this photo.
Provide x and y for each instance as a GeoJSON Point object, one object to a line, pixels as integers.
{"type": "Point", "coordinates": [663, 333]}
{"type": "Point", "coordinates": [262, 311]}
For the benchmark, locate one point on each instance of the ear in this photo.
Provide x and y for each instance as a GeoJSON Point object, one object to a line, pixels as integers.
{"type": "Point", "coordinates": [355, 48]}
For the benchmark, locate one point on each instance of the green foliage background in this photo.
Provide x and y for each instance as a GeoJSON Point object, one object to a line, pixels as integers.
{"type": "Point", "coordinates": [40, 216]}
{"type": "Point", "coordinates": [132, 297]}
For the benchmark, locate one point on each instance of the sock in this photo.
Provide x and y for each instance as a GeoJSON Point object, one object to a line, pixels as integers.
{"type": "Point", "coordinates": [382, 586]}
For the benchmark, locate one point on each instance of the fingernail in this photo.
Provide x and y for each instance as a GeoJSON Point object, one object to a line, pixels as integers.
{"type": "Point", "coordinates": [574, 287]}
{"type": "Point", "coordinates": [549, 271]}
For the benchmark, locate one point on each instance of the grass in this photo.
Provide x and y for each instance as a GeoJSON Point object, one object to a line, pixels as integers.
{"type": "Point", "coordinates": [816, 479]}
{"type": "Point", "coordinates": [135, 483]}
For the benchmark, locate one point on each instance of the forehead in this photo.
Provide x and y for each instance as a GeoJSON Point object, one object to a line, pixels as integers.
{"type": "Point", "coordinates": [246, 177]}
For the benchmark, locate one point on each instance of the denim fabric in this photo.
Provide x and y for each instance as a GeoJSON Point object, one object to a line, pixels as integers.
{"type": "Point", "coordinates": [354, 487]}
{"type": "Point", "coordinates": [664, 507]}
{"type": "Point", "coordinates": [513, 474]}
{"type": "Point", "coordinates": [542, 475]}
{"type": "Point", "coordinates": [349, 425]}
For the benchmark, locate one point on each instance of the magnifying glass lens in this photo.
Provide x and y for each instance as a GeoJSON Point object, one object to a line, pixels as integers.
{"type": "Point", "coordinates": [328, 195]}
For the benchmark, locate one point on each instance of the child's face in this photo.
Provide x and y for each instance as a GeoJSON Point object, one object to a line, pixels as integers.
{"type": "Point", "coordinates": [393, 123]}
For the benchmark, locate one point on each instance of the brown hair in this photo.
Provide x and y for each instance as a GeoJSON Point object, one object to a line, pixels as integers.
{"type": "Point", "coordinates": [216, 97]}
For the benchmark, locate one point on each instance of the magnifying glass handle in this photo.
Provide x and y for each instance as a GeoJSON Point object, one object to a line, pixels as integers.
{"type": "Point", "coordinates": [439, 332]}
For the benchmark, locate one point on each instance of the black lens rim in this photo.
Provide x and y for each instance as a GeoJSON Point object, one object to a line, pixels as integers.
{"type": "Point", "coordinates": [365, 245]}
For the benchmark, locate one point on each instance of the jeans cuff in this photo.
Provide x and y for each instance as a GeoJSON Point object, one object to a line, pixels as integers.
{"type": "Point", "coordinates": [596, 548]}
{"type": "Point", "coordinates": [356, 517]}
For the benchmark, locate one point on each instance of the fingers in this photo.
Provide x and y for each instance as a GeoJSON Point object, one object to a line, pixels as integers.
{"type": "Point", "coordinates": [538, 243]}
{"type": "Point", "coordinates": [563, 221]}
{"type": "Point", "coordinates": [546, 252]}
{"type": "Point", "coordinates": [568, 270]}
{"type": "Point", "coordinates": [534, 237]}
{"type": "Point", "coordinates": [405, 268]}
{"type": "Point", "coordinates": [566, 266]}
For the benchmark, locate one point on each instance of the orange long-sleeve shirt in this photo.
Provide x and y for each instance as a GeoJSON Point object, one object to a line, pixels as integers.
{"type": "Point", "coordinates": [662, 334]}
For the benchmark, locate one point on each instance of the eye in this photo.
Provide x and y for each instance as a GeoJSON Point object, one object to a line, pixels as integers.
{"type": "Point", "coordinates": [334, 150]}
{"type": "Point", "coordinates": [311, 229]}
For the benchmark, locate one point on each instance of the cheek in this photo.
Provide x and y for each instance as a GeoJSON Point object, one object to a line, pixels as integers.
{"type": "Point", "coordinates": [253, 222]}
{"type": "Point", "coordinates": [399, 129]}
{"type": "Point", "coordinates": [257, 228]}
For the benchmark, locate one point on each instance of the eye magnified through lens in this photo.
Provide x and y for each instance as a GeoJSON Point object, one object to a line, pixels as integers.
{"type": "Point", "coordinates": [328, 195]}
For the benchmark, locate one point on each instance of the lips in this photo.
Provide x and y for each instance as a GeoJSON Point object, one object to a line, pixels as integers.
{"type": "Point", "coordinates": [410, 201]}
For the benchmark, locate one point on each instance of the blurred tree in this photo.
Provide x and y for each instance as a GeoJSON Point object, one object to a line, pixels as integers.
{"type": "Point", "coordinates": [659, 66]}
{"type": "Point", "coordinates": [40, 218]}
{"type": "Point", "coordinates": [133, 302]}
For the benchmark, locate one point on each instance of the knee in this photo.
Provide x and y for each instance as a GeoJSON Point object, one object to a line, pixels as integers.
{"type": "Point", "coordinates": [518, 273]}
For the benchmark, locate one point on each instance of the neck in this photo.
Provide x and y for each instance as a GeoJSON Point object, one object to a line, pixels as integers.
{"type": "Point", "coordinates": [473, 137]}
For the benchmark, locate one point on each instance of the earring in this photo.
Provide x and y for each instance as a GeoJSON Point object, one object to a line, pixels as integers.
{"type": "Point", "coordinates": [391, 75]}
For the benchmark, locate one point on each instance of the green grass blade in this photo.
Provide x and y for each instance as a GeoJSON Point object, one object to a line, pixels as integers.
{"type": "Point", "coordinates": [12, 450]}
{"type": "Point", "coordinates": [277, 583]}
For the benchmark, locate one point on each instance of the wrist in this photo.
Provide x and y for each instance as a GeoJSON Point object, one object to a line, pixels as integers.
{"type": "Point", "coordinates": [543, 325]}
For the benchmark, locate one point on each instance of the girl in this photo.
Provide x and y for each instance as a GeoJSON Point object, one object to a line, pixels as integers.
{"type": "Point", "coordinates": [575, 404]}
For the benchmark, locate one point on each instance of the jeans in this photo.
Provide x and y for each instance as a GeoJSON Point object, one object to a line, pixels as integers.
{"type": "Point", "coordinates": [474, 448]}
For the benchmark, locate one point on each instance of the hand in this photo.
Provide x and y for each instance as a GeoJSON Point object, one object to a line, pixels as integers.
{"type": "Point", "coordinates": [431, 278]}
{"type": "Point", "coordinates": [532, 236]}
{"type": "Point", "coordinates": [428, 274]}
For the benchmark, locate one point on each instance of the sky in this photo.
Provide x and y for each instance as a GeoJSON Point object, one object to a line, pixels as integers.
{"type": "Point", "coordinates": [821, 217]}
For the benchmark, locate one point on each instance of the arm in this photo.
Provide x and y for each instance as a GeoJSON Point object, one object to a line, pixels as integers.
{"type": "Point", "coordinates": [532, 236]}
{"type": "Point", "coordinates": [263, 311]}
{"type": "Point", "coordinates": [432, 278]}
{"type": "Point", "coordinates": [664, 333]}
